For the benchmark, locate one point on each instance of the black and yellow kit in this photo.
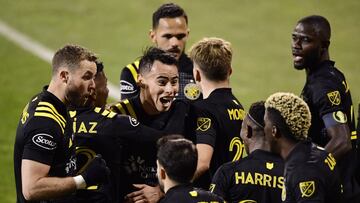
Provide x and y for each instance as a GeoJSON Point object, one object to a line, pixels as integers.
{"type": "Point", "coordinates": [187, 88]}
{"type": "Point", "coordinates": [44, 135]}
{"type": "Point", "coordinates": [311, 175]}
{"type": "Point", "coordinates": [99, 131]}
{"type": "Point", "coordinates": [218, 123]}
{"type": "Point", "coordinates": [140, 157]}
{"type": "Point", "coordinates": [328, 96]}
{"type": "Point", "coordinates": [189, 194]}
{"type": "Point", "coordinates": [256, 178]}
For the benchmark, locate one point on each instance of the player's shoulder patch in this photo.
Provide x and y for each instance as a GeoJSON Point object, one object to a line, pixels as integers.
{"type": "Point", "coordinates": [192, 91]}
{"type": "Point", "coordinates": [203, 123]}
{"type": "Point", "coordinates": [44, 141]}
{"type": "Point", "coordinates": [334, 97]}
{"type": "Point", "coordinates": [307, 188]}
{"type": "Point", "coordinates": [340, 117]}
{"type": "Point", "coordinates": [133, 121]}
{"type": "Point", "coordinates": [126, 87]}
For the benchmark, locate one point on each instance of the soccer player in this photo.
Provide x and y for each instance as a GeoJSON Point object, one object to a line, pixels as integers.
{"type": "Point", "coordinates": [99, 131]}
{"type": "Point", "coordinates": [311, 173]}
{"type": "Point", "coordinates": [44, 151]}
{"type": "Point", "coordinates": [220, 114]}
{"type": "Point", "coordinates": [169, 32]}
{"type": "Point", "coordinates": [328, 96]}
{"type": "Point", "coordinates": [259, 176]}
{"type": "Point", "coordinates": [176, 165]}
{"type": "Point", "coordinates": [154, 107]}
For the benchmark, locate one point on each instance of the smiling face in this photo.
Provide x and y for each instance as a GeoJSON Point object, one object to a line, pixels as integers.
{"type": "Point", "coordinates": [80, 83]}
{"type": "Point", "coordinates": [158, 87]}
{"type": "Point", "coordinates": [170, 35]}
{"type": "Point", "coordinates": [307, 46]}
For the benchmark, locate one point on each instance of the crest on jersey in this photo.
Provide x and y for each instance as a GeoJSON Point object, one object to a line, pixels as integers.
{"type": "Point", "coordinates": [307, 188]}
{"type": "Point", "coordinates": [212, 187]}
{"type": "Point", "coordinates": [192, 91]}
{"type": "Point", "coordinates": [269, 165]}
{"type": "Point", "coordinates": [334, 97]}
{"type": "Point", "coordinates": [133, 121]}
{"type": "Point", "coordinates": [203, 124]}
{"type": "Point", "coordinates": [340, 117]}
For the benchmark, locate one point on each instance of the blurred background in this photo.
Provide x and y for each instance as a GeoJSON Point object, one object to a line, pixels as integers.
{"type": "Point", "coordinates": [260, 33]}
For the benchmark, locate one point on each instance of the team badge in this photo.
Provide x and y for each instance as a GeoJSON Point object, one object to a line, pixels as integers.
{"type": "Point", "coordinates": [193, 193]}
{"type": "Point", "coordinates": [203, 124]}
{"type": "Point", "coordinates": [334, 97]}
{"type": "Point", "coordinates": [192, 91]}
{"type": "Point", "coordinates": [307, 188]}
{"type": "Point", "coordinates": [212, 187]}
{"type": "Point", "coordinates": [340, 117]}
{"type": "Point", "coordinates": [269, 165]}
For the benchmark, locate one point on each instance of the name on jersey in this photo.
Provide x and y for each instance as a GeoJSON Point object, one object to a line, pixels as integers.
{"type": "Point", "coordinates": [84, 127]}
{"type": "Point", "coordinates": [44, 141]}
{"type": "Point", "coordinates": [236, 114]}
{"type": "Point", "coordinates": [259, 179]}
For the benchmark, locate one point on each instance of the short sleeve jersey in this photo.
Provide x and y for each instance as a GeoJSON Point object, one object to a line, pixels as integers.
{"type": "Point", "coordinates": [44, 135]}
{"type": "Point", "coordinates": [189, 194]}
{"type": "Point", "coordinates": [256, 178]}
{"type": "Point", "coordinates": [311, 175]}
{"type": "Point", "coordinates": [140, 157]}
{"type": "Point", "coordinates": [218, 123]}
{"type": "Point", "coordinates": [187, 88]}
{"type": "Point", "coordinates": [99, 131]}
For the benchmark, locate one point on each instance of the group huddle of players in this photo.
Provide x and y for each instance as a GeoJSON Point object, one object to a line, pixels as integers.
{"type": "Point", "coordinates": [287, 148]}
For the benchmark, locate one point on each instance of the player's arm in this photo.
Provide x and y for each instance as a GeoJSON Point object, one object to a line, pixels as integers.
{"type": "Point", "coordinates": [220, 182]}
{"type": "Point", "coordinates": [205, 153]}
{"type": "Point", "coordinates": [36, 185]}
{"type": "Point", "coordinates": [145, 193]}
{"type": "Point", "coordinates": [340, 142]}
{"type": "Point", "coordinates": [128, 86]}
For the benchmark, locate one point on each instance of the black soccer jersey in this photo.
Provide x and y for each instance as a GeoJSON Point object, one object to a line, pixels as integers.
{"type": "Point", "coordinates": [44, 135]}
{"type": "Point", "coordinates": [311, 175]}
{"type": "Point", "coordinates": [327, 92]}
{"type": "Point", "coordinates": [218, 123]}
{"type": "Point", "coordinates": [189, 194]}
{"type": "Point", "coordinates": [187, 88]}
{"type": "Point", "coordinates": [256, 178]}
{"type": "Point", "coordinates": [99, 131]}
{"type": "Point", "coordinates": [140, 158]}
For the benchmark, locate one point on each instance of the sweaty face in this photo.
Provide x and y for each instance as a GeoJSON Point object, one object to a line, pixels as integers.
{"type": "Point", "coordinates": [80, 84]}
{"type": "Point", "coordinates": [306, 46]}
{"type": "Point", "coordinates": [171, 35]}
{"type": "Point", "coordinates": [159, 87]}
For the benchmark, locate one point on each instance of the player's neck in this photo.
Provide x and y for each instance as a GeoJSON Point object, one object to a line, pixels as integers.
{"type": "Point", "coordinates": [168, 184]}
{"type": "Point", "coordinates": [57, 89]}
{"type": "Point", "coordinates": [209, 86]}
{"type": "Point", "coordinates": [286, 148]}
{"type": "Point", "coordinates": [260, 143]}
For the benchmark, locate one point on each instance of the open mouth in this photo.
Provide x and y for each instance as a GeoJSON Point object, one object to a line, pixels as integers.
{"type": "Point", "coordinates": [166, 100]}
{"type": "Point", "coordinates": [297, 57]}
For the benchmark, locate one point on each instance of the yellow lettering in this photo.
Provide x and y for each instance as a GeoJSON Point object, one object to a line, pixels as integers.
{"type": "Point", "coordinates": [281, 182]}
{"type": "Point", "coordinates": [249, 179]}
{"type": "Point", "coordinates": [93, 125]}
{"type": "Point", "coordinates": [237, 177]}
{"type": "Point", "coordinates": [267, 180]}
{"type": "Point", "coordinates": [82, 128]}
{"type": "Point", "coordinates": [74, 125]}
{"type": "Point", "coordinates": [330, 161]}
{"type": "Point", "coordinates": [236, 114]}
{"type": "Point", "coordinates": [258, 179]}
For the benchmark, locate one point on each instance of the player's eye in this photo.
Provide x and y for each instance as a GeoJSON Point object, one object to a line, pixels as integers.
{"type": "Point", "coordinates": [174, 82]}
{"type": "Point", "coordinates": [180, 36]}
{"type": "Point", "coordinates": [162, 82]}
{"type": "Point", "coordinates": [167, 36]}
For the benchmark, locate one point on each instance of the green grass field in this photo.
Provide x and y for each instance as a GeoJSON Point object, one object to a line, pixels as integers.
{"type": "Point", "coordinates": [260, 32]}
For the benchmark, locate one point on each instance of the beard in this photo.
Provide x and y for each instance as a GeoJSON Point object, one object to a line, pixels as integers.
{"type": "Point", "coordinates": [74, 98]}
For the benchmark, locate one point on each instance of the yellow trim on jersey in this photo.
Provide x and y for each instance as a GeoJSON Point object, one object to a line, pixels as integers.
{"type": "Point", "coordinates": [353, 135]}
{"type": "Point", "coordinates": [53, 108]}
{"type": "Point", "coordinates": [48, 115]}
{"type": "Point", "coordinates": [97, 109]}
{"type": "Point", "coordinates": [130, 108]}
{"type": "Point", "coordinates": [43, 108]}
{"type": "Point", "coordinates": [121, 108]}
{"type": "Point", "coordinates": [111, 115]}
{"type": "Point", "coordinates": [133, 69]}
{"type": "Point", "coordinates": [105, 112]}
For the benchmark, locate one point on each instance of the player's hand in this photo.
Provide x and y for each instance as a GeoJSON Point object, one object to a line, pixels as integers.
{"type": "Point", "coordinates": [145, 193]}
{"type": "Point", "coordinates": [96, 172]}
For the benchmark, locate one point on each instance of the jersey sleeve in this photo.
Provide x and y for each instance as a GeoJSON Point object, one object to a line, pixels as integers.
{"type": "Point", "coordinates": [327, 97]}
{"type": "Point", "coordinates": [128, 86]}
{"type": "Point", "coordinates": [220, 182]}
{"type": "Point", "coordinates": [42, 137]}
{"type": "Point", "coordinates": [205, 128]}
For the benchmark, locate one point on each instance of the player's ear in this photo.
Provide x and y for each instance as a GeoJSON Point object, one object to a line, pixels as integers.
{"type": "Point", "coordinates": [64, 75]}
{"type": "Point", "coordinates": [152, 35]}
{"type": "Point", "coordinates": [275, 132]}
{"type": "Point", "coordinates": [249, 132]}
{"type": "Point", "coordinates": [140, 81]}
{"type": "Point", "coordinates": [196, 74]}
{"type": "Point", "coordinates": [162, 173]}
{"type": "Point", "coordinates": [230, 71]}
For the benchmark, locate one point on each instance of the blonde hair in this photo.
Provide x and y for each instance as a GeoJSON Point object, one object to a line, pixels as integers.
{"type": "Point", "coordinates": [213, 56]}
{"type": "Point", "coordinates": [294, 111]}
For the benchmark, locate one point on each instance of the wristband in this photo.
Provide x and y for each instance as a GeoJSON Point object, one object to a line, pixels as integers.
{"type": "Point", "coordinates": [79, 182]}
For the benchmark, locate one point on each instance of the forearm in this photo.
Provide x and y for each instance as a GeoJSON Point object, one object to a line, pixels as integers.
{"type": "Point", "coordinates": [49, 188]}
{"type": "Point", "coordinates": [338, 147]}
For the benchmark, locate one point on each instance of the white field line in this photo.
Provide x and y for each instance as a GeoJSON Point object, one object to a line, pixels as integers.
{"type": "Point", "coordinates": [40, 50]}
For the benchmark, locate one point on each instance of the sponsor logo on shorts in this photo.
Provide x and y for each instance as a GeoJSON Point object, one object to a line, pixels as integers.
{"type": "Point", "coordinates": [44, 141]}
{"type": "Point", "coordinates": [126, 87]}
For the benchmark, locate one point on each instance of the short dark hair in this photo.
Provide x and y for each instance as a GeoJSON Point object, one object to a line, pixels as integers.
{"type": "Point", "coordinates": [70, 56]}
{"type": "Point", "coordinates": [168, 10]}
{"type": "Point", "coordinates": [99, 67]}
{"type": "Point", "coordinates": [152, 54]}
{"type": "Point", "coordinates": [257, 112]}
{"type": "Point", "coordinates": [276, 118]}
{"type": "Point", "coordinates": [179, 157]}
{"type": "Point", "coordinates": [320, 24]}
